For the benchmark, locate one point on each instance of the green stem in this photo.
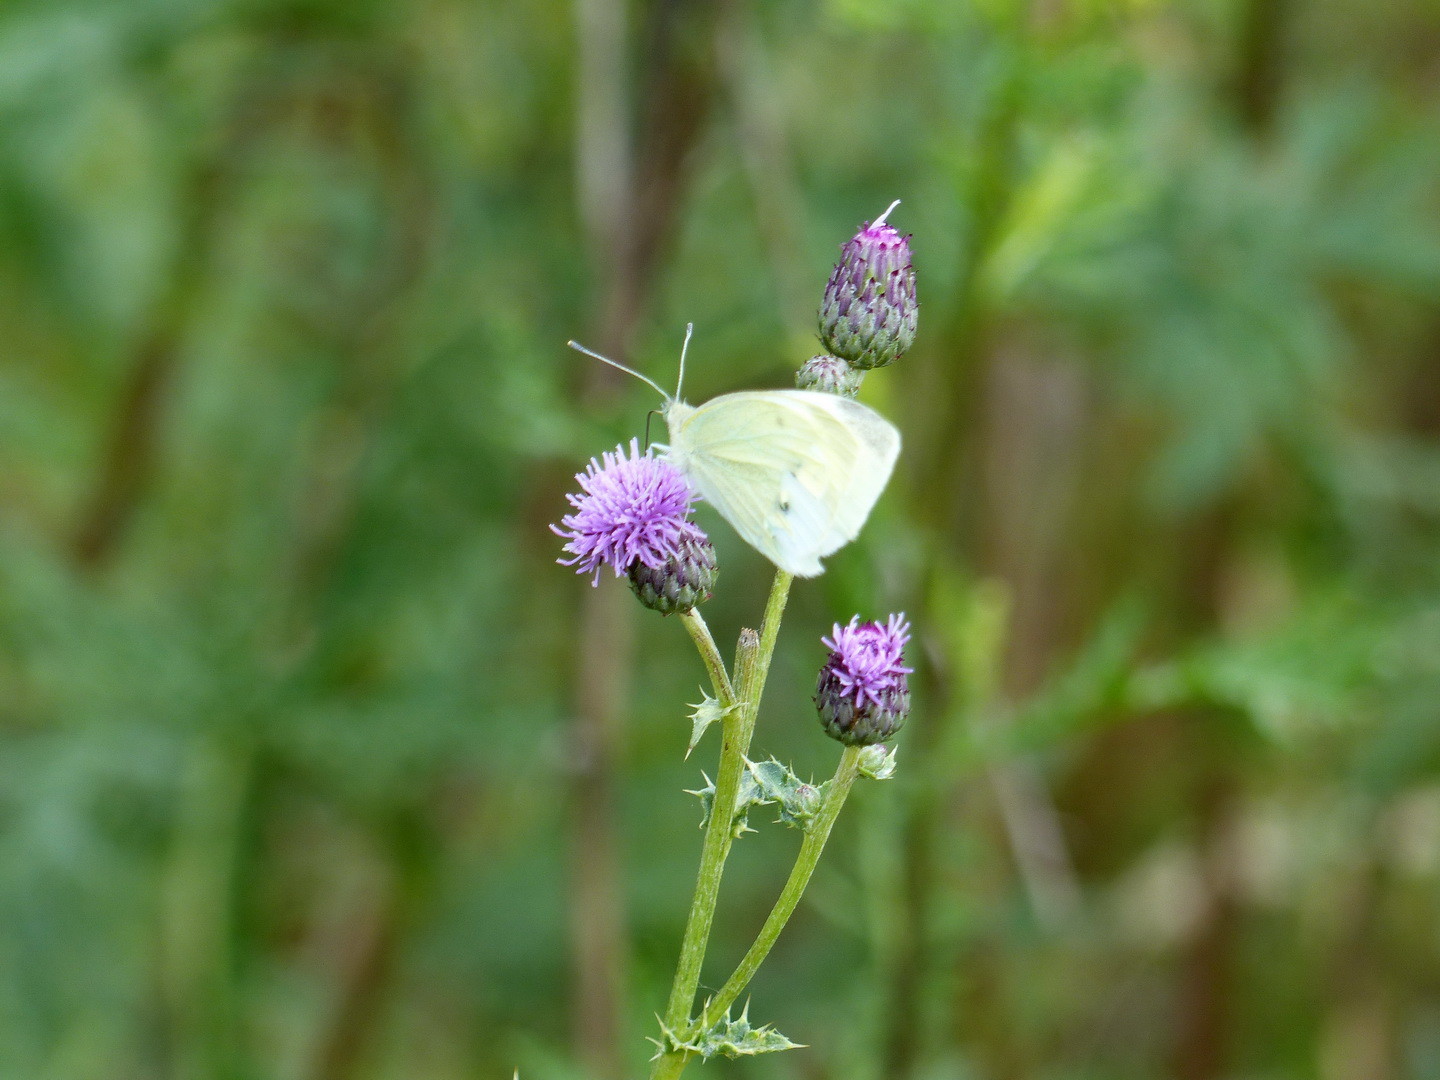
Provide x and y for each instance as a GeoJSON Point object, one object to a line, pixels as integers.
{"type": "Point", "coordinates": [710, 655]}
{"type": "Point", "coordinates": [805, 862]}
{"type": "Point", "coordinates": [751, 689]}
{"type": "Point", "coordinates": [752, 664]}
{"type": "Point", "coordinates": [669, 1065]}
{"type": "Point", "coordinates": [718, 834]}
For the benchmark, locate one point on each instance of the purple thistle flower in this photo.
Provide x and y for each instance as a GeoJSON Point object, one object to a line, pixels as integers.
{"type": "Point", "coordinates": [863, 694]}
{"type": "Point", "coordinates": [630, 509]}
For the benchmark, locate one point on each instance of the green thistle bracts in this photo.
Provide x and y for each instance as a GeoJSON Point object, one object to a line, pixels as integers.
{"type": "Point", "coordinates": [869, 312]}
{"type": "Point", "coordinates": [829, 375]}
{"type": "Point", "coordinates": [685, 579]}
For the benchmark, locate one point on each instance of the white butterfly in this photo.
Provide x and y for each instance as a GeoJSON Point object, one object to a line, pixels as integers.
{"type": "Point", "coordinates": [795, 472]}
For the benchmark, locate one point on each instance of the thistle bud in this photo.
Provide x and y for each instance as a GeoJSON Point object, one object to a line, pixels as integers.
{"type": "Point", "coordinates": [863, 696]}
{"type": "Point", "coordinates": [869, 312]}
{"type": "Point", "coordinates": [877, 762]}
{"type": "Point", "coordinates": [684, 579]}
{"type": "Point", "coordinates": [829, 375]}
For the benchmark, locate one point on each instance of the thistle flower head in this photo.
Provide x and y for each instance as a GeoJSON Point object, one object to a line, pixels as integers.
{"type": "Point", "coordinates": [631, 509]}
{"type": "Point", "coordinates": [869, 312]}
{"type": "Point", "coordinates": [829, 375]}
{"type": "Point", "coordinates": [863, 694]}
{"type": "Point", "coordinates": [686, 577]}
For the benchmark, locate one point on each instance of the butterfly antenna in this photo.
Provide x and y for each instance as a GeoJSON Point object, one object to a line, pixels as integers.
{"type": "Point", "coordinates": [881, 219]}
{"type": "Point", "coordinates": [689, 329]}
{"type": "Point", "coordinates": [616, 364]}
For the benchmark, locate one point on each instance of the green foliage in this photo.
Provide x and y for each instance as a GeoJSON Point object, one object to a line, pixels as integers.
{"type": "Point", "coordinates": [796, 801]}
{"type": "Point", "coordinates": [730, 1038]}
{"type": "Point", "coordinates": [768, 783]}
{"type": "Point", "coordinates": [708, 712]}
{"type": "Point", "coordinates": [294, 783]}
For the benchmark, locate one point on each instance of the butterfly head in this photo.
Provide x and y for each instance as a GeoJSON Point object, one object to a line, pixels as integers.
{"type": "Point", "coordinates": [676, 412]}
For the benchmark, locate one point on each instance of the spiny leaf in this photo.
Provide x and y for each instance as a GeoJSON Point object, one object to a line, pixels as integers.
{"type": "Point", "coordinates": [706, 713]}
{"type": "Point", "coordinates": [747, 797]}
{"type": "Point", "coordinates": [775, 783]}
{"type": "Point", "coordinates": [731, 1038]}
{"type": "Point", "coordinates": [767, 783]}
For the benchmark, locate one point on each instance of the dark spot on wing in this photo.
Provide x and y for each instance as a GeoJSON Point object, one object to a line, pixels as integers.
{"type": "Point", "coordinates": [784, 503]}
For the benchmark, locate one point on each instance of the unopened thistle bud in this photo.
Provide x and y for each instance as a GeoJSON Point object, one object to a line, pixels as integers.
{"type": "Point", "coordinates": [863, 695]}
{"type": "Point", "coordinates": [829, 375]}
{"type": "Point", "coordinates": [686, 577]}
{"type": "Point", "coordinates": [869, 312]}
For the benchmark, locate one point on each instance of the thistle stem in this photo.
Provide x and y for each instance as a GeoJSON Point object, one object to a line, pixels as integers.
{"type": "Point", "coordinates": [810, 849]}
{"type": "Point", "coordinates": [710, 656]}
{"type": "Point", "coordinates": [669, 1065]}
{"type": "Point", "coordinates": [718, 834]}
{"type": "Point", "coordinates": [769, 629]}
{"type": "Point", "coordinates": [752, 664]}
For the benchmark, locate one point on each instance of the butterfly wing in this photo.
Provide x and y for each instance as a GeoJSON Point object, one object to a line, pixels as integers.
{"type": "Point", "coordinates": [795, 472]}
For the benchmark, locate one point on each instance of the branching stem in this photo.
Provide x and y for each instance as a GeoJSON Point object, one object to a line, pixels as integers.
{"type": "Point", "coordinates": [814, 843]}
{"type": "Point", "coordinates": [752, 665]}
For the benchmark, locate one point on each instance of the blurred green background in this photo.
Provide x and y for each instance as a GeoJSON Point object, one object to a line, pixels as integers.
{"type": "Point", "coordinates": [316, 767]}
